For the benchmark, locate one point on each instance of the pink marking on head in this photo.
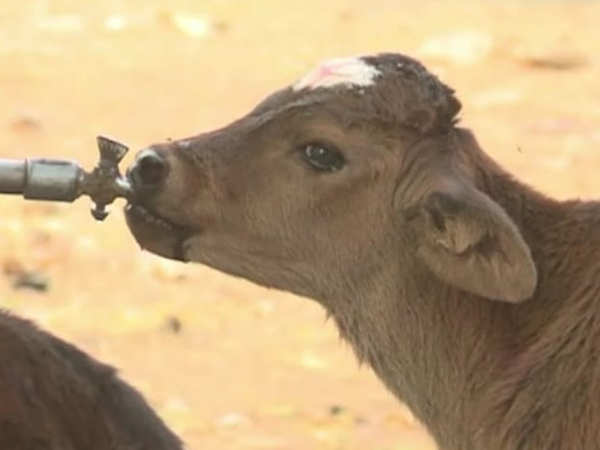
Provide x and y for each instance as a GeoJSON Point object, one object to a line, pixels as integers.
{"type": "Point", "coordinates": [348, 71]}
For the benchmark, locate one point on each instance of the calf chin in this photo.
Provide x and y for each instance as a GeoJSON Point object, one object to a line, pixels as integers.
{"type": "Point", "coordinates": [155, 234]}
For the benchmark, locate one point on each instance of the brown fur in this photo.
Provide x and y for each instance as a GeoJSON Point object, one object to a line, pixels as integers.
{"type": "Point", "coordinates": [472, 296]}
{"type": "Point", "coordinates": [55, 397]}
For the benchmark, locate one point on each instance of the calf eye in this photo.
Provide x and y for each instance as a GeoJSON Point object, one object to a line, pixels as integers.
{"type": "Point", "coordinates": [323, 158]}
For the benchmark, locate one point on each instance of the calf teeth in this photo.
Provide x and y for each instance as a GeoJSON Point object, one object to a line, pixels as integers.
{"type": "Point", "coordinates": [150, 218]}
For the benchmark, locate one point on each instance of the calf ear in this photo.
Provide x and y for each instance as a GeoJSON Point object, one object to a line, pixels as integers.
{"type": "Point", "coordinates": [468, 240]}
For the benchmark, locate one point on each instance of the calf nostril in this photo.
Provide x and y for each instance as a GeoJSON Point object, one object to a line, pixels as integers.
{"type": "Point", "coordinates": [149, 169]}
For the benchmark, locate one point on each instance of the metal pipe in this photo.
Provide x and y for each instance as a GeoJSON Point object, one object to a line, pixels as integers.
{"type": "Point", "coordinates": [64, 180]}
{"type": "Point", "coordinates": [12, 176]}
{"type": "Point", "coordinates": [52, 179]}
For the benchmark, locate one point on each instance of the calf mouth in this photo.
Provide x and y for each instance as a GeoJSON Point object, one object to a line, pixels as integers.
{"type": "Point", "coordinates": [156, 233]}
{"type": "Point", "coordinates": [150, 218]}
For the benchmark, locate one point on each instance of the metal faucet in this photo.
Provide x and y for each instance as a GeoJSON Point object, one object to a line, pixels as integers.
{"type": "Point", "coordinates": [65, 181]}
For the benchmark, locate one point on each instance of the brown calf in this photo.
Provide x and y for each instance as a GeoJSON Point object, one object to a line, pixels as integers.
{"type": "Point", "coordinates": [55, 397]}
{"type": "Point", "coordinates": [472, 296]}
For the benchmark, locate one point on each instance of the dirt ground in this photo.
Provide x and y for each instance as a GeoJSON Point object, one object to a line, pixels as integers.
{"type": "Point", "coordinates": [252, 368]}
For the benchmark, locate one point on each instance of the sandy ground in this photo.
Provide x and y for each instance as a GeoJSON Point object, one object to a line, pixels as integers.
{"type": "Point", "coordinates": [252, 368]}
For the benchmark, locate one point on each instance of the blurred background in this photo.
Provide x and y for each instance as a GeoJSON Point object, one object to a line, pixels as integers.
{"type": "Point", "coordinates": [227, 364]}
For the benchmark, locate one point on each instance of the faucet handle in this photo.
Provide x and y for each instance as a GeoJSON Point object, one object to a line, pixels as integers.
{"type": "Point", "coordinates": [105, 182]}
{"type": "Point", "coordinates": [111, 151]}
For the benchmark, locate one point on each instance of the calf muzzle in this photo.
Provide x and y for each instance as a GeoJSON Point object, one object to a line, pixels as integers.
{"type": "Point", "coordinates": [149, 171]}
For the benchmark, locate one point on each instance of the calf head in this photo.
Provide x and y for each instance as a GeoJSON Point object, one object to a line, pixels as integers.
{"type": "Point", "coordinates": [355, 169]}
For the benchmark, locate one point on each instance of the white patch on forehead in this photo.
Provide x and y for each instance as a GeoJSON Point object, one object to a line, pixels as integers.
{"type": "Point", "coordinates": [348, 71]}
